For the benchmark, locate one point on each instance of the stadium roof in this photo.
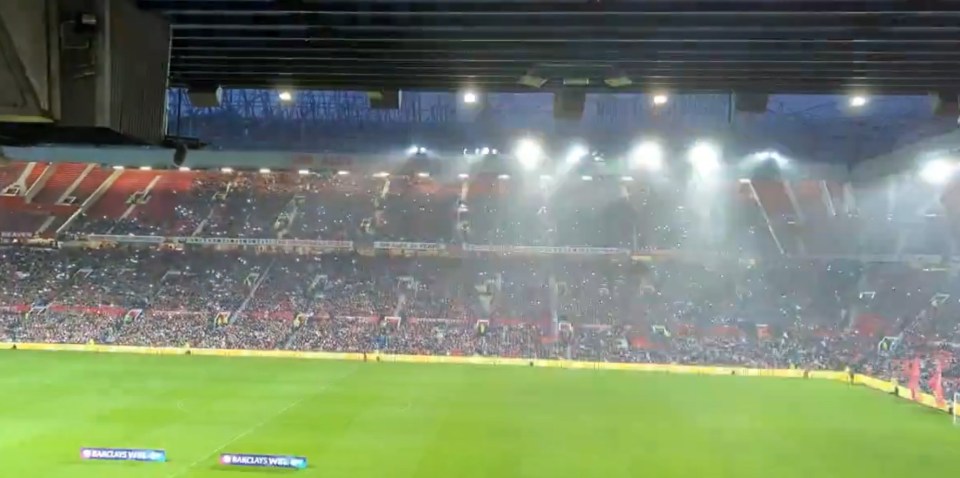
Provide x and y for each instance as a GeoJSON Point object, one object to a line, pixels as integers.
{"type": "Point", "coordinates": [802, 46]}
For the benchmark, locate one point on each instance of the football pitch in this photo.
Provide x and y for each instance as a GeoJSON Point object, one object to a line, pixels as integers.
{"type": "Point", "coordinates": [376, 420]}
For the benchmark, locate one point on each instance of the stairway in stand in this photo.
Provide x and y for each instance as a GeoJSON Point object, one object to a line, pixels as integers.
{"type": "Point", "coordinates": [90, 183]}
{"type": "Point", "coordinates": [64, 175]}
{"type": "Point", "coordinates": [114, 202]}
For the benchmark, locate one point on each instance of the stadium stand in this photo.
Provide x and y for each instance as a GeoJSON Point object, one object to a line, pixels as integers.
{"type": "Point", "coordinates": [140, 265]}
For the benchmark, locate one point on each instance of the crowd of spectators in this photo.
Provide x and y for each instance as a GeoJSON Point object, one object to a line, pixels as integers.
{"type": "Point", "coordinates": [486, 209]}
{"type": "Point", "coordinates": [770, 313]}
{"type": "Point", "coordinates": [75, 327]}
{"type": "Point", "coordinates": [786, 313]}
{"type": "Point", "coordinates": [761, 306]}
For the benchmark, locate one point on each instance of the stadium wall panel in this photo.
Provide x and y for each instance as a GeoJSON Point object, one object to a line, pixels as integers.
{"type": "Point", "coordinates": [925, 399]}
{"type": "Point", "coordinates": [471, 360]}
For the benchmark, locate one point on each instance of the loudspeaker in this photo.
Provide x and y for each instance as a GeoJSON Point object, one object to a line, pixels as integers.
{"type": "Point", "coordinates": [205, 96]}
{"type": "Point", "coordinates": [945, 104]}
{"type": "Point", "coordinates": [750, 102]}
{"type": "Point", "coordinates": [385, 99]}
{"type": "Point", "coordinates": [179, 154]}
{"type": "Point", "coordinates": [569, 104]}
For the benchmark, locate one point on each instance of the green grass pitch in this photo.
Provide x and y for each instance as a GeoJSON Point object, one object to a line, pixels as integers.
{"type": "Point", "coordinates": [376, 420]}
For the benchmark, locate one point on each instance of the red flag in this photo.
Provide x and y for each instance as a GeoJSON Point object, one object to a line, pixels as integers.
{"type": "Point", "coordinates": [914, 383]}
{"type": "Point", "coordinates": [936, 385]}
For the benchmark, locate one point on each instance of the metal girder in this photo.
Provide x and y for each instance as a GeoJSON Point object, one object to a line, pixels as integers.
{"type": "Point", "coordinates": [414, 66]}
{"type": "Point", "coordinates": [618, 24]}
{"type": "Point", "coordinates": [908, 46]}
{"type": "Point", "coordinates": [554, 36]}
{"type": "Point", "coordinates": [722, 52]}
{"type": "Point", "coordinates": [448, 83]}
{"type": "Point", "coordinates": [557, 7]}
{"type": "Point", "coordinates": [441, 58]}
{"type": "Point", "coordinates": [564, 47]}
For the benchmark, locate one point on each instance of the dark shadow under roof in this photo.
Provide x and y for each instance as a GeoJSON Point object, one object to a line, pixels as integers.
{"type": "Point", "coordinates": [783, 46]}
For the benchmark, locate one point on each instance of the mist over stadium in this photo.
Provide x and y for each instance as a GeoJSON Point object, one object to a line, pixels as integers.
{"type": "Point", "coordinates": [479, 238]}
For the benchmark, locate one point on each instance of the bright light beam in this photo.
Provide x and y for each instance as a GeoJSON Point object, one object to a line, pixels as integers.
{"type": "Point", "coordinates": [705, 158]}
{"type": "Point", "coordinates": [770, 155]}
{"type": "Point", "coordinates": [577, 153]}
{"type": "Point", "coordinates": [938, 171]}
{"type": "Point", "coordinates": [529, 153]}
{"type": "Point", "coordinates": [647, 155]}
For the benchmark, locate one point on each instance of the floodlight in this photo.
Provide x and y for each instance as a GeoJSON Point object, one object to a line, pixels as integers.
{"type": "Point", "coordinates": [412, 150]}
{"type": "Point", "coordinates": [470, 97]}
{"type": "Point", "coordinates": [285, 96]}
{"type": "Point", "coordinates": [764, 155]}
{"type": "Point", "coordinates": [529, 153]}
{"type": "Point", "coordinates": [938, 171]}
{"type": "Point", "coordinates": [660, 99]}
{"type": "Point", "coordinates": [577, 152]}
{"type": "Point", "coordinates": [770, 155]}
{"type": "Point", "coordinates": [484, 151]}
{"type": "Point", "coordinates": [858, 101]}
{"type": "Point", "coordinates": [705, 158]}
{"type": "Point", "coordinates": [647, 155]}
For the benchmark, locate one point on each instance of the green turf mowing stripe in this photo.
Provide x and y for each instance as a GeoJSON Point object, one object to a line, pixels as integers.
{"type": "Point", "coordinates": [359, 420]}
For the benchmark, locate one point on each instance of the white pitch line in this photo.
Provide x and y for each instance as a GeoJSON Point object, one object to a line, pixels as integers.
{"type": "Point", "coordinates": [255, 427]}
